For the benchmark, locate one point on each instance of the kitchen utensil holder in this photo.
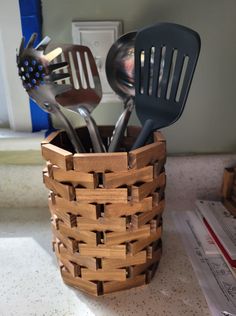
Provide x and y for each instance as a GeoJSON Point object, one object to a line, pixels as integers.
{"type": "Point", "coordinates": [228, 192]}
{"type": "Point", "coordinates": [106, 210]}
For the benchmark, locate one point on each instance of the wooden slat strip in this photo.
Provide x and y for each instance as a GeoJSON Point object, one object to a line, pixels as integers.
{"type": "Point", "coordinates": [130, 260]}
{"type": "Point", "coordinates": [68, 219]}
{"type": "Point", "coordinates": [115, 179]}
{"type": "Point", "coordinates": [102, 251]}
{"type": "Point", "coordinates": [127, 209]}
{"type": "Point", "coordinates": [84, 285]}
{"type": "Point", "coordinates": [153, 248]}
{"type": "Point", "coordinates": [72, 267]}
{"type": "Point", "coordinates": [140, 192]}
{"type": "Point", "coordinates": [87, 180]}
{"type": "Point", "coordinates": [79, 209]}
{"type": "Point", "coordinates": [102, 224]}
{"type": "Point", "coordinates": [138, 269]}
{"type": "Point", "coordinates": [64, 190]}
{"type": "Point", "coordinates": [141, 244]}
{"type": "Point", "coordinates": [146, 155]}
{"type": "Point", "coordinates": [51, 206]}
{"type": "Point", "coordinates": [228, 180]}
{"type": "Point", "coordinates": [102, 196]}
{"type": "Point", "coordinates": [101, 162]}
{"type": "Point", "coordinates": [159, 137]}
{"type": "Point", "coordinates": [87, 262]}
{"type": "Point", "coordinates": [49, 139]}
{"type": "Point", "coordinates": [143, 218]}
{"type": "Point", "coordinates": [49, 168]}
{"type": "Point", "coordinates": [158, 167]}
{"type": "Point", "coordinates": [70, 244]}
{"type": "Point", "coordinates": [86, 236]}
{"type": "Point", "coordinates": [109, 287]}
{"type": "Point", "coordinates": [103, 275]}
{"type": "Point", "coordinates": [132, 234]}
{"type": "Point", "coordinates": [57, 156]}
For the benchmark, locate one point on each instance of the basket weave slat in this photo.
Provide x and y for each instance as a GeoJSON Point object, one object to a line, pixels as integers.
{"type": "Point", "coordinates": [228, 192]}
{"type": "Point", "coordinates": [106, 211]}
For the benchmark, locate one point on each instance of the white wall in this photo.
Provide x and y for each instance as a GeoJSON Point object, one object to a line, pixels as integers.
{"type": "Point", "coordinates": [15, 97]}
{"type": "Point", "coordinates": [4, 119]}
{"type": "Point", "coordinates": [208, 121]}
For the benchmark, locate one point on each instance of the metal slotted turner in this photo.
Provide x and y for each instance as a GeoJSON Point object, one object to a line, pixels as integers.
{"type": "Point", "coordinates": [37, 72]}
{"type": "Point", "coordinates": [86, 90]}
{"type": "Point", "coordinates": [166, 55]}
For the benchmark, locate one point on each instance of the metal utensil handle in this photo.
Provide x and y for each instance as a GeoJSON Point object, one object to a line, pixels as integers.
{"type": "Point", "coordinates": [95, 136]}
{"type": "Point", "coordinates": [121, 125]}
{"type": "Point", "coordinates": [144, 134]}
{"type": "Point", "coordinates": [74, 138]}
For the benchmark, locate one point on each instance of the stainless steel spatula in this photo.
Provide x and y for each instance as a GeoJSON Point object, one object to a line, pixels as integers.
{"type": "Point", "coordinates": [86, 90]}
{"type": "Point", "coordinates": [37, 72]}
{"type": "Point", "coordinates": [166, 55]}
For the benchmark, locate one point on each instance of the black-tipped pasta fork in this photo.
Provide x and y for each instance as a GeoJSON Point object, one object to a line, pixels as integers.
{"type": "Point", "coordinates": [37, 72]}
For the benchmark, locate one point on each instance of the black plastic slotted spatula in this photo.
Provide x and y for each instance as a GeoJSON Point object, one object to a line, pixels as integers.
{"type": "Point", "coordinates": [166, 55]}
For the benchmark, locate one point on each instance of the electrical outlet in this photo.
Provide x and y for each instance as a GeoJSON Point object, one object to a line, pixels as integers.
{"type": "Point", "coordinates": [99, 37]}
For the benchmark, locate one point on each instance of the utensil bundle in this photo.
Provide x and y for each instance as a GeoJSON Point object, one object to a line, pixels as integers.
{"type": "Point", "coordinates": [150, 69]}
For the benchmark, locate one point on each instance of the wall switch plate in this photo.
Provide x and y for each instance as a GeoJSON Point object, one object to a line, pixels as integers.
{"type": "Point", "coordinates": [99, 37]}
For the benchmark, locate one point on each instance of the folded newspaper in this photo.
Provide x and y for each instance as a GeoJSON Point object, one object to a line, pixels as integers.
{"type": "Point", "coordinates": [222, 227]}
{"type": "Point", "coordinates": [214, 275]}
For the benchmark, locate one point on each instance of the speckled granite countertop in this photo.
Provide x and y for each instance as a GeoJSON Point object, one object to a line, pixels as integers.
{"type": "Point", "coordinates": [30, 280]}
{"type": "Point", "coordinates": [31, 283]}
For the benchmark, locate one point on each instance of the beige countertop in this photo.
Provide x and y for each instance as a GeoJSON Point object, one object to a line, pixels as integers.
{"type": "Point", "coordinates": [29, 274]}
{"type": "Point", "coordinates": [31, 282]}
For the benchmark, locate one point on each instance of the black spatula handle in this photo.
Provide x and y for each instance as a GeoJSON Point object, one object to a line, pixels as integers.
{"type": "Point", "coordinates": [144, 134]}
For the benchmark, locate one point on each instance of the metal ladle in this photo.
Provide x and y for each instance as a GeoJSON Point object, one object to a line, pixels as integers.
{"type": "Point", "coordinates": [120, 75]}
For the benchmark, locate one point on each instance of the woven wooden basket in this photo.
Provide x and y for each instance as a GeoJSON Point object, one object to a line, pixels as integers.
{"type": "Point", "coordinates": [106, 211]}
{"type": "Point", "coordinates": [229, 189]}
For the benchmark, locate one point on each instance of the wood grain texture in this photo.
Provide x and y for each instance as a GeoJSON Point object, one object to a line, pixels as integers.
{"type": "Point", "coordinates": [63, 190]}
{"type": "Point", "coordinates": [138, 193]}
{"type": "Point", "coordinates": [102, 196]}
{"type": "Point", "coordinates": [88, 262]}
{"type": "Point", "coordinates": [146, 155]}
{"type": "Point", "coordinates": [228, 181]}
{"type": "Point", "coordinates": [69, 243]}
{"type": "Point", "coordinates": [72, 267]}
{"type": "Point", "coordinates": [67, 218]}
{"type": "Point", "coordinates": [102, 251]}
{"type": "Point", "coordinates": [49, 139]}
{"type": "Point", "coordinates": [101, 162]}
{"type": "Point", "coordinates": [102, 224]}
{"type": "Point", "coordinates": [117, 179]}
{"type": "Point", "coordinates": [116, 238]}
{"type": "Point", "coordinates": [158, 137]}
{"type": "Point", "coordinates": [141, 219]}
{"type": "Point", "coordinates": [106, 211]}
{"type": "Point", "coordinates": [87, 180]}
{"type": "Point", "coordinates": [104, 275]}
{"type": "Point", "coordinates": [142, 243]}
{"type": "Point", "coordinates": [138, 269]}
{"type": "Point", "coordinates": [127, 209]}
{"type": "Point", "coordinates": [88, 237]}
{"type": "Point", "coordinates": [84, 285]}
{"type": "Point", "coordinates": [85, 210]}
{"type": "Point", "coordinates": [130, 260]}
{"type": "Point", "coordinates": [158, 167]}
{"type": "Point", "coordinates": [57, 156]}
